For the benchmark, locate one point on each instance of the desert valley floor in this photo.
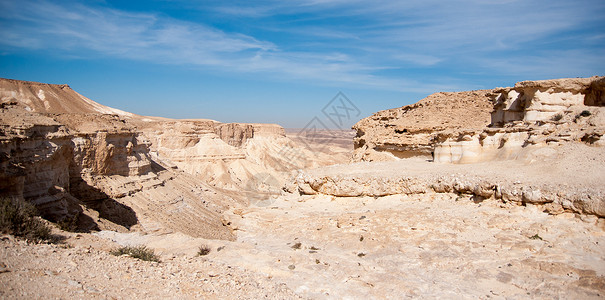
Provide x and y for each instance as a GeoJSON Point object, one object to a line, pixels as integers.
{"type": "Point", "coordinates": [430, 246]}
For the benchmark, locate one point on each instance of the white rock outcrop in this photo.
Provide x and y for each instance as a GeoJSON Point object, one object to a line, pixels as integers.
{"type": "Point", "coordinates": [530, 115]}
{"type": "Point", "coordinates": [410, 130]}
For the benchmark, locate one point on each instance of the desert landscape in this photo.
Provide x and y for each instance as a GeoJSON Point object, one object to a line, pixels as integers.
{"type": "Point", "coordinates": [480, 194]}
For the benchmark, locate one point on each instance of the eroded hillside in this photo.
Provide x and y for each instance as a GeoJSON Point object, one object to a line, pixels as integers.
{"type": "Point", "coordinates": [100, 168]}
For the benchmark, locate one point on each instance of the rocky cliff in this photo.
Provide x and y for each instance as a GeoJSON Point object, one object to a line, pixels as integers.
{"type": "Point", "coordinates": [410, 130]}
{"type": "Point", "coordinates": [539, 142]}
{"type": "Point", "coordinates": [95, 167]}
{"type": "Point", "coordinates": [94, 171]}
{"type": "Point", "coordinates": [529, 116]}
{"type": "Point", "coordinates": [232, 156]}
{"type": "Point", "coordinates": [503, 123]}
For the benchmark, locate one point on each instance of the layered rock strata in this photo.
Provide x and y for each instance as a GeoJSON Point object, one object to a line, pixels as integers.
{"type": "Point", "coordinates": [486, 125]}
{"type": "Point", "coordinates": [232, 156]}
{"type": "Point", "coordinates": [94, 167]}
{"type": "Point", "coordinates": [566, 181]}
{"type": "Point", "coordinates": [102, 178]}
{"type": "Point", "coordinates": [532, 114]}
{"type": "Point", "coordinates": [410, 130]}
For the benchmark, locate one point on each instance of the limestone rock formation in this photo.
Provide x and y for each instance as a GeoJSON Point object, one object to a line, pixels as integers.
{"type": "Point", "coordinates": [234, 134]}
{"type": "Point", "coordinates": [548, 135]}
{"type": "Point", "coordinates": [531, 115]}
{"type": "Point", "coordinates": [409, 130]}
{"type": "Point", "coordinates": [531, 101]}
{"type": "Point", "coordinates": [548, 181]}
{"type": "Point", "coordinates": [51, 98]}
{"type": "Point", "coordinates": [503, 123]}
{"type": "Point", "coordinates": [102, 168]}
{"type": "Point", "coordinates": [524, 218]}
{"type": "Point", "coordinates": [232, 156]}
{"type": "Point", "coordinates": [101, 178]}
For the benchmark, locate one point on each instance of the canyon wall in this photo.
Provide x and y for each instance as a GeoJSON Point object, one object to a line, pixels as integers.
{"type": "Point", "coordinates": [476, 126]}
{"type": "Point", "coordinates": [94, 167]}
{"type": "Point", "coordinates": [101, 178]}
{"type": "Point", "coordinates": [410, 130]}
{"type": "Point", "coordinates": [529, 116]}
{"type": "Point", "coordinates": [231, 156]}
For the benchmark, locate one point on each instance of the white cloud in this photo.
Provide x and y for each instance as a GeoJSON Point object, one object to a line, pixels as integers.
{"type": "Point", "coordinates": [104, 31]}
{"type": "Point", "coordinates": [345, 42]}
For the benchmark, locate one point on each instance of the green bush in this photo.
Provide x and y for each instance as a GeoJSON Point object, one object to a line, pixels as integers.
{"type": "Point", "coordinates": [19, 218]}
{"type": "Point", "coordinates": [141, 252]}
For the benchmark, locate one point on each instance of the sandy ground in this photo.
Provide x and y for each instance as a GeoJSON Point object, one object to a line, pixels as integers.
{"type": "Point", "coordinates": [84, 271]}
{"type": "Point", "coordinates": [324, 247]}
{"type": "Point", "coordinates": [425, 246]}
{"type": "Point", "coordinates": [420, 246]}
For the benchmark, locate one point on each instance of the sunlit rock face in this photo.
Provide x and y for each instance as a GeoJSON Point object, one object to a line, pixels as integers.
{"type": "Point", "coordinates": [528, 116]}
{"type": "Point", "coordinates": [103, 168]}
{"type": "Point", "coordinates": [532, 101]}
{"type": "Point", "coordinates": [486, 125]}
{"type": "Point", "coordinates": [76, 159]}
{"type": "Point", "coordinates": [411, 130]}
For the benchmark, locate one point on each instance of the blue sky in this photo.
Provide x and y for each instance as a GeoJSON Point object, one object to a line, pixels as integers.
{"type": "Point", "coordinates": [283, 61]}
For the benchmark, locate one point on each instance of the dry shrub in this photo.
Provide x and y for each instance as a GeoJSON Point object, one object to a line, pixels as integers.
{"type": "Point", "coordinates": [19, 218]}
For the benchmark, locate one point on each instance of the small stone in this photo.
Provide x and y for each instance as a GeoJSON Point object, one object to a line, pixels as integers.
{"type": "Point", "coordinates": [291, 267]}
{"type": "Point", "coordinates": [589, 218]}
{"type": "Point", "coordinates": [91, 289]}
{"type": "Point", "coordinates": [4, 268]}
{"type": "Point", "coordinates": [74, 283]}
{"type": "Point", "coordinates": [553, 208]}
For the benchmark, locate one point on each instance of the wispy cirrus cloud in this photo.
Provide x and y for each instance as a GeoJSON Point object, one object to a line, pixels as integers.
{"type": "Point", "coordinates": [378, 44]}
{"type": "Point", "coordinates": [89, 31]}
{"type": "Point", "coordinates": [108, 31]}
{"type": "Point", "coordinates": [432, 33]}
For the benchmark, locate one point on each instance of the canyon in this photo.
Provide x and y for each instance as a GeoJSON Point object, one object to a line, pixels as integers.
{"type": "Point", "coordinates": [480, 194]}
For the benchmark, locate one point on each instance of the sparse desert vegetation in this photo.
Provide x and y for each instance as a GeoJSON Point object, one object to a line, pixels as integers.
{"type": "Point", "coordinates": [203, 250]}
{"type": "Point", "coordinates": [302, 149]}
{"type": "Point", "coordinates": [557, 117]}
{"type": "Point", "coordinates": [140, 252]}
{"type": "Point", "coordinates": [20, 218]}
